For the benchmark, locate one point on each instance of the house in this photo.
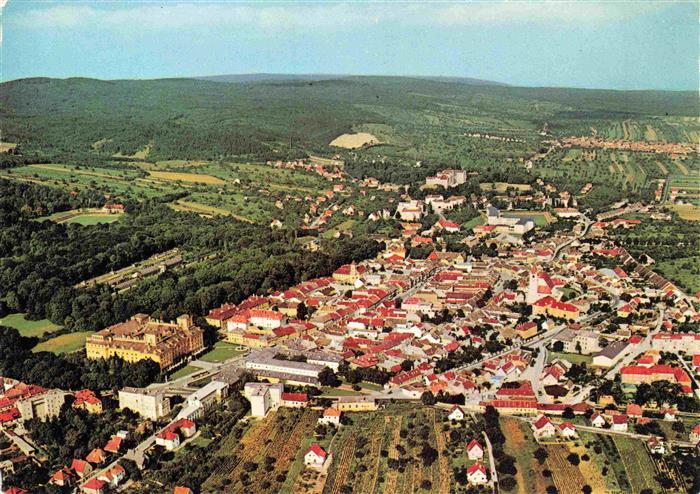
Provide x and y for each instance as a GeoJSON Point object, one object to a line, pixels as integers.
{"type": "Point", "coordinates": [168, 439]}
{"type": "Point", "coordinates": [182, 490]}
{"type": "Point", "coordinates": [619, 423]}
{"type": "Point", "coordinates": [93, 486]}
{"type": "Point", "coordinates": [670, 414]}
{"type": "Point", "coordinates": [526, 330]}
{"type": "Point", "coordinates": [633, 410]}
{"type": "Point", "coordinates": [597, 420]}
{"type": "Point", "coordinates": [456, 413]}
{"type": "Point", "coordinates": [610, 355]}
{"type": "Point", "coordinates": [476, 474]}
{"type": "Point", "coordinates": [356, 404]}
{"type": "Point", "coordinates": [295, 400]}
{"type": "Point", "coordinates": [567, 430]}
{"type": "Point", "coordinates": [114, 445]}
{"type": "Point", "coordinates": [81, 467]}
{"type": "Point", "coordinates": [474, 450]}
{"type": "Point", "coordinates": [543, 427]}
{"type": "Point", "coordinates": [656, 445]}
{"type": "Point", "coordinates": [63, 477]}
{"type": "Point", "coordinates": [96, 456]}
{"type": "Point", "coordinates": [87, 400]}
{"type": "Point", "coordinates": [113, 475]}
{"type": "Point", "coordinates": [695, 435]}
{"type": "Point", "coordinates": [330, 416]}
{"type": "Point", "coordinates": [315, 457]}
{"type": "Point", "coordinates": [580, 341]}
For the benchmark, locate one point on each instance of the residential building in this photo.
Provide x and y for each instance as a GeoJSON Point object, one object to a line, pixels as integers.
{"type": "Point", "coordinates": [263, 397]}
{"type": "Point", "coordinates": [579, 341]}
{"type": "Point", "coordinates": [151, 404]}
{"type": "Point", "coordinates": [477, 474]}
{"type": "Point", "coordinates": [330, 416]}
{"type": "Point", "coordinates": [315, 457]}
{"type": "Point", "coordinates": [356, 404]}
{"type": "Point", "coordinates": [42, 406]}
{"type": "Point", "coordinates": [474, 450]}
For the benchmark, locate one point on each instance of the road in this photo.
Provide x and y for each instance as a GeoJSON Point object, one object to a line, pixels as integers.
{"type": "Point", "coordinates": [492, 461]}
{"type": "Point", "coordinates": [633, 351]}
{"type": "Point", "coordinates": [587, 226]}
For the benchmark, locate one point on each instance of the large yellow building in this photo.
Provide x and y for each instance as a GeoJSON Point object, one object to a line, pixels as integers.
{"type": "Point", "coordinates": [142, 338]}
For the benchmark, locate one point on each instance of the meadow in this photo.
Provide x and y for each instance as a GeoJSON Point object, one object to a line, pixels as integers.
{"type": "Point", "coordinates": [65, 343]}
{"type": "Point", "coordinates": [29, 328]}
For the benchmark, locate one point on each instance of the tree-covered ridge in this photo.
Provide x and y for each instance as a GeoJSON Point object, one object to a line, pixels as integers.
{"type": "Point", "coordinates": [186, 118]}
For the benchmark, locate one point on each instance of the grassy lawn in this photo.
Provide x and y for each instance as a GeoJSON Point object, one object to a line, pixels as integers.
{"type": "Point", "coordinates": [574, 358]}
{"type": "Point", "coordinates": [222, 351]}
{"type": "Point", "coordinates": [65, 343]}
{"type": "Point", "coordinates": [479, 220]}
{"type": "Point", "coordinates": [185, 371]}
{"type": "Point", "coordinates": [29, 328]}
{"type": "Point", "coordinates": [201, 441]}
{"type": "Point", "coordinates": [94, 219]}
{"type": "Point", "coordinates": [331, 392]}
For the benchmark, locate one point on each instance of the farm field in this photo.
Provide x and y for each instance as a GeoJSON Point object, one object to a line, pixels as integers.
{"type": "Point", "coordinates": [689, 212]}
{"type": "Point", "coordinates": [29, 328]}
{"type": "Point", "coordinates": [186, 177]}
{"type": "Point", "coordinates": [521, 445]}
{"type": "Point", "coordinates": [222, 351]}
{"type": "Point", "coordinates": [65, 343]}
{"type": "Point", "coordinates": [638, 465]}
{"type": "Point", "coordinates": [259, 462]}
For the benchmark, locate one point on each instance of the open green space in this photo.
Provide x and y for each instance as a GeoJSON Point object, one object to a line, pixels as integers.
{"type": "Point", "coordinates": [185, 371]}
{"type": "Point", "coordinates": [65, 343]}
{"type": "Point", "coordinates": [222, 351]}
{"type": "Point", "coordinates": [94, 219]}
{"type": "Point", "coordinates": [574, 358]}
{"type": "Point", "coordinates": [29, 328]}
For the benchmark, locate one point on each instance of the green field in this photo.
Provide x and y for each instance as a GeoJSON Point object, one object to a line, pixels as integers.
{"type": "Point", "coordinates": [29, 328]}
{"type": "Point", "coordinates": [574, 358]}
{"type": "Point", "coordinates": [639, 467]}
{"type": "Point", "coordinates": [185, 371]}
{"type": "Point", "coordinates": [222, 351]}
{"type": "Point", "coordinates": [94, 219]}
{"type": "Point", "coordinates": [65, 343]}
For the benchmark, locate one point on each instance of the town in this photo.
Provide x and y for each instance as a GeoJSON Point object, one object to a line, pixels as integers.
{"type": "Point", "coordinates": [558, 335]}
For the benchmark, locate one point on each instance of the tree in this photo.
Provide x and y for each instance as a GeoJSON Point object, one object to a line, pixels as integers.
{"type": "Point", "coordinates": [568, 413]}
{"type": "Point", "coordinates": [558, 346]}
{"type": "Point", "coordinates": [428, 398]}
{"type": "Point", "coordinates": [586, 489]}
{"type": "Point", "coordinates": [541, 455]}
{"type": "Point", "coordinates": [507, 483]}
{"type": "Point", "coordinates": [428, 454]}
{"type": "Point", "coordinates": [574, 459]}
{"type": "Point", "coordinates": [302, 311]}
{"type": "Point", "coordinates": [328, 378]}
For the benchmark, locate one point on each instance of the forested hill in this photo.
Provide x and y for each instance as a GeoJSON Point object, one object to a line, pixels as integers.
{"type": "Point", "coordinates": [188, 118]}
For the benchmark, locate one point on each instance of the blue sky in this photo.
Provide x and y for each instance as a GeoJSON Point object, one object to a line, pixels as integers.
{"type": "Point", "coordinates": [621, 45]}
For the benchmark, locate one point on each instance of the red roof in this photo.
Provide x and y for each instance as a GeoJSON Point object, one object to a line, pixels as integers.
{"type": "Point", "coordinates": [94, 483]}
{"type": "Point", "coordinates": [79, 465]}
{"type": "Point", "coordinates": [476, 467]}
{"type": "Point", "coordinates": [474, 444]}
{"type": "Point", "coordinates": [317, 450]}
{"type": "Point", "coordinates": [303, 397]}
{"type": "Point", "coordinates": [542, 422]}
{"type": "Point", "coordinates": [555, 304]}
{"type": "Point", "coordinates": [266, 314]}
{"type": "Point", "coordinates": [619, 419]}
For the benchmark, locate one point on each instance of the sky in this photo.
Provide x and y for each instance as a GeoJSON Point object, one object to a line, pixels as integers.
{"type": "Point", "coordinates": [592, 44]}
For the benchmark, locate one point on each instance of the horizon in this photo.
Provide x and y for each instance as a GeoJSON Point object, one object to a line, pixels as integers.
{"type": "Point", "coordinates": [579, 45]}
{"type": "Point", "coordinates": [330, 77]}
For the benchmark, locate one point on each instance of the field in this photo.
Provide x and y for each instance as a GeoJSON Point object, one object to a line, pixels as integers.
{"type": "Point", "coordinates": [503, 186]}
{"type": "Point", "coordinates": [689, 212]}
{"type": "Point", "coordinates": [686, 186]}
{"type": "Point", "coordinates": [187, 177]}
{"type": "Point", "coordinates": [574, 358]}
{"type": "Point", "coordinates": [221, 351]}
{"type": "Point", "coordinates": [260, 461]}
{"type": "Point", "coordinates": [354, 141]}
{"type": "Point", "coordinates": [185, 371]}
{"type": "Point", "coordinates": [521, 445]}
{"type": "Point", "coordinates": [360, 466]}
{"type": "Point", "coordinates": [7, 146]}
{"type": "Point", "coordinates": [93, 219]}
{"type": "Point", "coordinates": [65, 343]}
{"type": "Point", "coordinates": [638, 465]}
{"type": "Point", "coordinates": [29, 328]}
{"type": "Point", "coordinates": [684, 271]}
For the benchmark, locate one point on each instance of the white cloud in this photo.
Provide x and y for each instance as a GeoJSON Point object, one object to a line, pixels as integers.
{"type": "Point", "coordinates": [277, 16]}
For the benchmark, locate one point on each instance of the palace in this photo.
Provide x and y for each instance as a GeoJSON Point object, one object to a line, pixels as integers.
{"type": "Point", "coordinates": [142, 337]}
